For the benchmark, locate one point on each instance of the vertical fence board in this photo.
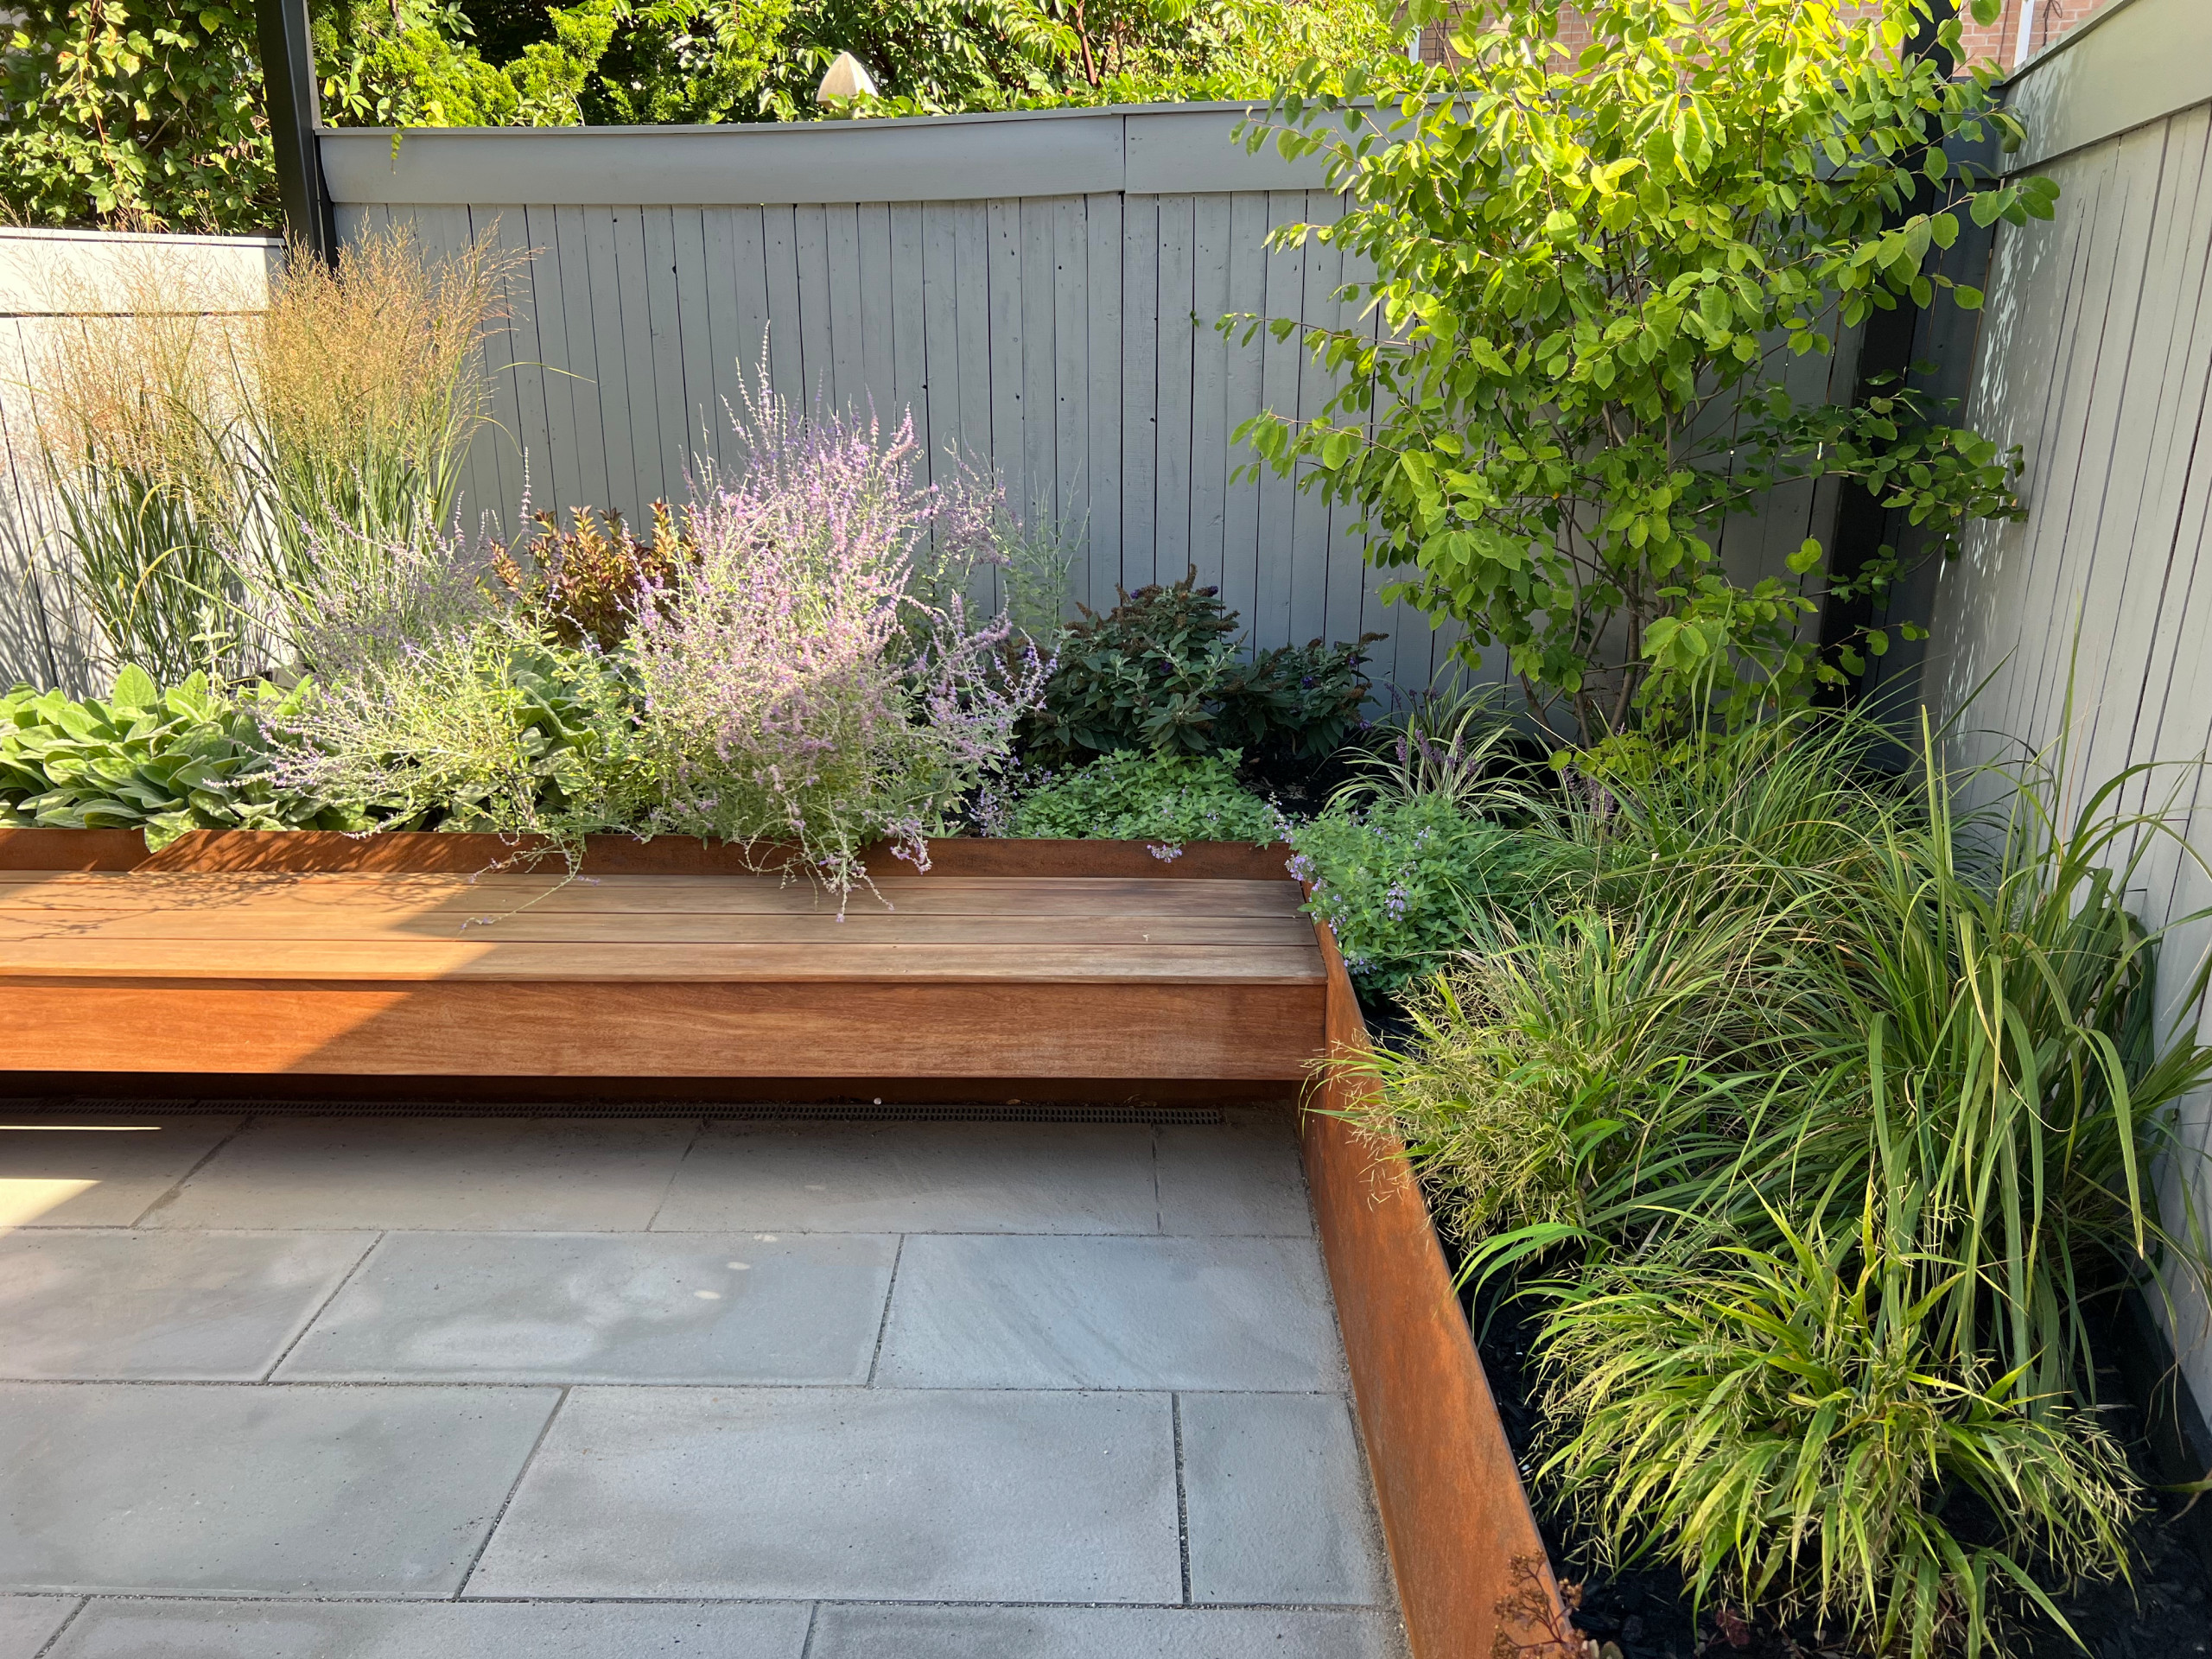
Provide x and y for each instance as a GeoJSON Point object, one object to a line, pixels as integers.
{"type": "Point", "coordinates": [940, 264]}
{"type": "Point", "coordinates": [673, 418]}
{"type": "Point", "coordinates": [1039, 407]}
{"type": "Point", "coordinates": [737, 312]}
{"type": "Point", "coordinates": [694, 307]}
{"type": "Point", "coordinates": [1281, 361]}
{"type": "Point", "coordinates": [1094, 583]}
{"type": "Point", "coordinates": [1140, 389]}
{"type": "Point", "coordinates": [1210, 439]}
{"type": "Point", "coordinates": [1072, 359]}
{"type": "Point", "coordinates": [786, 330]}
{"type": "Point", "coordinates": [1240, 378]}
{"type": "Point", "coordinates": [1171, 538]}
{"type": "Point", "coordinates": [905, 330]}
{"type": "Point", "coordinates": [620, 421]}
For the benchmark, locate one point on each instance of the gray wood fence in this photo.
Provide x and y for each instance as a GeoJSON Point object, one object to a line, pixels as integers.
{"type": "Point", "coordinates": [2095, 354]}
{"type": "Point", "coordinates": [1040, 290]}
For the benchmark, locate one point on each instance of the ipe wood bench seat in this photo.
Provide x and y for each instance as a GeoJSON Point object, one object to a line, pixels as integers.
{"type": "Point", "coordinates": [444, 974]}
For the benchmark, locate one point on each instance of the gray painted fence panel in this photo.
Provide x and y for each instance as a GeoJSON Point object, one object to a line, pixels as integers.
{"type": "Point", "coordinates": [2092, 622]}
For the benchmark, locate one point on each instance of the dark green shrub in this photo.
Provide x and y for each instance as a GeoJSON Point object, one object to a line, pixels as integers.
{"type": "Point", "coordinates": [1161, 672]}
{"type": "Point", "coordinates": [1133, 796]}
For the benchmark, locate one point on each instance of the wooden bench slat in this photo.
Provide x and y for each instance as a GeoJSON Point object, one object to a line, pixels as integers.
{"type": "Point", "coordinates": [364, 960]}
{"type": "Point", "coordinates": [736, 895]}
{"type": "Point", "coordinates": [474, 925]}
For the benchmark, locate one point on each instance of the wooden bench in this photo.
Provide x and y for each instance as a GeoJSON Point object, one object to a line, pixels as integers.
{"type": "Point", "coordinates": [192, 964]}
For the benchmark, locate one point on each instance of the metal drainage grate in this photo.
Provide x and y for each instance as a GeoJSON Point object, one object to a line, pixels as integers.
{"type": "Point", "coordinates": [790, 1112]}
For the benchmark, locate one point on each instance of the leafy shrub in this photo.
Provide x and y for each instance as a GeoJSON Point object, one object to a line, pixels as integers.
{"type": "Point", "coordinates": [586, 582]}
{"type": "Point", "coordinates": [1402, 882]}
{"type": "Point", "coordinates": [1160, 672]}
{"type": "Point", "coordinates": [167, 761]}
{"type": "Point", "coordinates": [486, 727]}
{"type": "Point", "coordinates": [1591, 268]}
{"type": "Point", "coordinates": [1130, 795]}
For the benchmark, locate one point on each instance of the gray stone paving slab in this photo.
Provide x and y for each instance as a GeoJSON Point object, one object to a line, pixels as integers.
{"type": "Point", "coordinates": [461, 1174]}
{"type": "Point", "coordinates": [1111, 1313]}
{"type": "Point", "coordinates": [231, 1630]}
{"type": "Point", "coordinates": [1278, 1504]}
{"type": "Point", "coordinates": [95, 1168]}
{"type": "Point", "coordinates": [27, 1623]}
{"type": "Point", "coordinates": [1243, 1176]}
{"type": "Point", "coordinates": [855, 1494]}
{"type": "Point", "coordinates": [917, 1178]}
{"type": "Point", "coordinates": [230, 1490]}
{"type": "Point", "coordinates": [848, 1632]}
{"type": "Point", "coordinates": [691, 1307]}
{"type": "Point", "coordinates": [113, 1303]}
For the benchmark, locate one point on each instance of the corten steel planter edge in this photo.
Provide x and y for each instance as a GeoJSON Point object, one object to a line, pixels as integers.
{"type": "Point", "coordinates": [1473, 1578]}
{"type": "Point", "coordinates": [322, 851]}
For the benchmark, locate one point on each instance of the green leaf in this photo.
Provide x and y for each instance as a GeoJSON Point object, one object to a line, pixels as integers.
{"type": "Point", "coordinates": [1805, 558]}
{"type": "Point", "coordinates": [135, 688]}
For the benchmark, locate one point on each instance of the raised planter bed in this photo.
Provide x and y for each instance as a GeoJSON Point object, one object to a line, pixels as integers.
{"type": "Point", "coordinates": [1443, 1472]}
{"type": "Point", "coordinates": [1470, 1564]}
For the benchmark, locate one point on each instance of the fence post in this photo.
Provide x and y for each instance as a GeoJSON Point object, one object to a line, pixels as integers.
{"type": "Point", "coordinates": [295, 103]}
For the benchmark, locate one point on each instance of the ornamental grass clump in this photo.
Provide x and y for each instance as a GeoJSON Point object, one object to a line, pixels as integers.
{"type": "Point", "coordinates": [797, 696]}
{"type": "Point", "coordinates": [1817, 1122]}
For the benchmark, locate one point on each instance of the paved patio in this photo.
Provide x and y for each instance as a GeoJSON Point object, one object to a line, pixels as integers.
{"type": "Point", "coordinates": [375, 1388]}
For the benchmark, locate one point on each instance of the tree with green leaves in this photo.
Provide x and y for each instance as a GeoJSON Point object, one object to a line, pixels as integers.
{"type": "Point", "coordinates": [136, 111]}
{"type": "Point", "coordinates": [1592, 269]}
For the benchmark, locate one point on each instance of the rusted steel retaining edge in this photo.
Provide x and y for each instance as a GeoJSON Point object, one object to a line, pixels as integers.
{"type": "Point", "coordinates": [1472, 1575]}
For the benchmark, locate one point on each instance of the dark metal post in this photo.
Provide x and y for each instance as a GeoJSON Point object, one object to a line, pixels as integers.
{"type": "Point", "coordinates": [1886, 356]}
{"type": "Point", "coordinates": [294, 103]}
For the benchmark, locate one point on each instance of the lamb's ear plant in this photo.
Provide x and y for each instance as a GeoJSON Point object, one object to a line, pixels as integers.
{"type": "Point", "coordinates": [1591, 271]}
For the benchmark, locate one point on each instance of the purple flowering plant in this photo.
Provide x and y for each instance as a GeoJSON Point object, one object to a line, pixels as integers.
{"type": "Point", "coordinates": [803, 684]}
{"type": "Point", "coordinates": [802, 693]}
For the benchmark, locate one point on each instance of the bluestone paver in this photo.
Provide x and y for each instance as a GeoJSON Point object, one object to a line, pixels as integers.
{"type": "Point", "coordinates": [917, 1178]}
{"type": "Point", "coordinates": [1277, 1495]}
{"type": "Point", "coordinates": [461, 1174]}
{"type": "Point", "coordinates": [233, 1629]}
{"type": "Point", "coordinates": [864, 1632]}
{"type": "Point", "coordinates": [692, 1307]}
{"type": "Point", "coordinates": [27, 1623]}
{"type": "Point", "coordinates": [857, 1494]}
{"type": "Point", "coordinates": [115, 1303]}
{"type": "Point", "coordinates": [1241, 1177]}
{"type": "Point", "coordinates": [96, 1168]}
{"type": "Point", "coordinates": [229, 1490]}
{"type": "Point", "coordinates": [1111, 1313]}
